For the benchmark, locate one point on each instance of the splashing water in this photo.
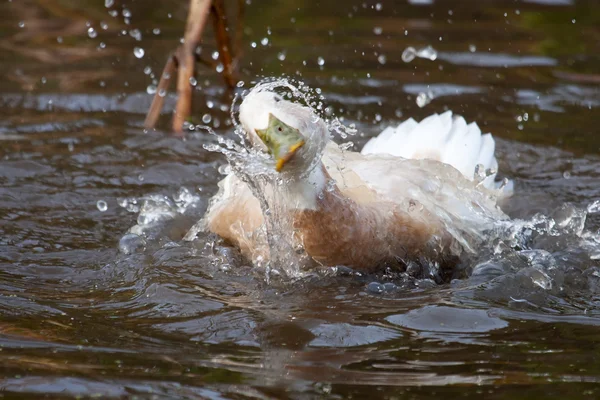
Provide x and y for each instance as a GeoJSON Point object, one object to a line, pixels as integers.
{"type": "Point", "coordinates": [535, 250]}
{"type": "Point", "coordinates": [256, 169]}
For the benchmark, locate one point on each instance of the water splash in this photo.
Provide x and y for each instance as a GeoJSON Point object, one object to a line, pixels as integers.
{"type": "Point", "coordinates": [498, 246]}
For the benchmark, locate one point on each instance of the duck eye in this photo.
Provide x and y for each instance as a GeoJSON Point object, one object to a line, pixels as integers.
{"type": "Point", "coordinates": [279, 129]}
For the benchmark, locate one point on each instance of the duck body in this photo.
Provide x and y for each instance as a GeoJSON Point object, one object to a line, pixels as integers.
{"type": "Point", "coordinates": [406, 196]}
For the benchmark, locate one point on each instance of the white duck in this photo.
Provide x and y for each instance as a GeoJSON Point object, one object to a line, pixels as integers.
{"type": "Point", "coordinates": [409, 194]}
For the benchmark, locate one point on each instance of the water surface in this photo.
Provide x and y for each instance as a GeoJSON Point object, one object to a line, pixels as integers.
{"type": "Point", "coordinates": [170, 319]}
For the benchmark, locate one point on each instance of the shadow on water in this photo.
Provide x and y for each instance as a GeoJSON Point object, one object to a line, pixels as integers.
{"type": "Point", "coordinates": [83, 313]}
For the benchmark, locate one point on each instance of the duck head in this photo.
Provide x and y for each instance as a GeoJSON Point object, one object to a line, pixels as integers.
{"type": "Point", "coordinates": [293, 134]}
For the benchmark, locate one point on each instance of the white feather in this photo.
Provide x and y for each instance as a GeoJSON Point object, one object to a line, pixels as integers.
{"type": "Point", "coordinates": [443, 138]}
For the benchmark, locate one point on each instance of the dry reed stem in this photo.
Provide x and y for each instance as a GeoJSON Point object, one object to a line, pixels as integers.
{"type": "Point", "coordinates": [196, 21]}
{"type": "Point", "coordinates": [184, 59]}
{"type": "Point", "coordinates": [163, 86]}
{"type": "Point", "coordinates": [223, 42]}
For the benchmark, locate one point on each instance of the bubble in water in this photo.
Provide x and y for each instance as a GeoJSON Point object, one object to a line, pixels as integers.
{"type": "Point", "coordinates": [215, 55]}
{"type": "Point", "coordinates": [193, 81]}
{"type": "Point", "coordinates": [377, 30]}
{"type": "Point", "coordinates": [109, 3]}
{"type": "Point", "coordinates": [102, 206]}
{"type": "Point", "coordinates": [281, 56]}
{"type": "Point", "coordinates": [151, 89]}
{"type": "Point", "coordinates": [21, 24]}
{"type": "Point", "coordinates": [264, 41]}
{"type": "Point", "coordinates": [138, 52]}
{"type": "Point", "coordinates": [131, 244]}
{"type": "Point", "coordinates": [321, 61]}
{"type": "Point", "coordinates": [382, 59]}
{"type": "Point", "coordinates": [156, 31]}
{"type": "Point", "coordinates": [92, 32]}
{"type": "Point", "coordinates": [206, 118]}
{"type": "Point", "coordinates": [472, 48]}
{"type": "Point", "coordinates": [126, 13]}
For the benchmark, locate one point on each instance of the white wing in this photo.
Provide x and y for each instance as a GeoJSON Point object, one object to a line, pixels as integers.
{"type": "Point", "coordinates": [442, 138]}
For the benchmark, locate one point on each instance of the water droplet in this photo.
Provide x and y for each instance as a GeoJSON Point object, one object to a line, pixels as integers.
{"type": "Point", "coordinates": [472, 48]}
{"type": "Point", "coordinates": [377, 30]}
{"type": "Point", "coordinates": [193, 81]}
{"type": "Point", "coordinates": [21, 24]}
{"type": "Point", "coordinates": [136, 34]}
{"type": "Point", "coordinates": [92, 32]}
{"type": "Point", "coordinates": [151, 89]}
{"type": "Point", "coordinates": [103, 25]}
{"type": "Point", "coordinates": [156, 31]}
{"type": "Point", "coordinates": [264, 41]}
{"type": "Point", "coordinates": [215, 55]}
{"type": "Point", "coordinates": [59, 39]}
{"type": "Point", "coordinates": [346, 146]}
{"type": "Point", "coordinates": [427, 52]}
{"type": "Point", "coordinates": [126, 13]}
{"type": "Point", "coordinates": [281, 56]}
{"type": "Point", "coordinates": [224, 169]}
{"type": "Point", "coordinates": [378, 7]}
{"type": "Point", "coordinates": [131, 244]}
{"type": "Point", "coordinates": [253, 45]}
{"type": "Point", "coordinates": [138, 52]}
{"type": "Point", "coordinates": [102, 206]}
{"type": "Point", "coordinates": [424, 98]}
{"type": "Point", "coordinates": [567, 175]}
{"type": "Point", "coordinates": [409, 54]}
{"type": "Point", "coordinates": [109, 3]}
{"type": "Point", "coordinates": [321, 61]}
{"type": "Point", "coordinates": [382, 59]}
{"type": "Point", "coordinates": [219, 68]}
{"type": "Point", "coordinates": [206, 118]}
